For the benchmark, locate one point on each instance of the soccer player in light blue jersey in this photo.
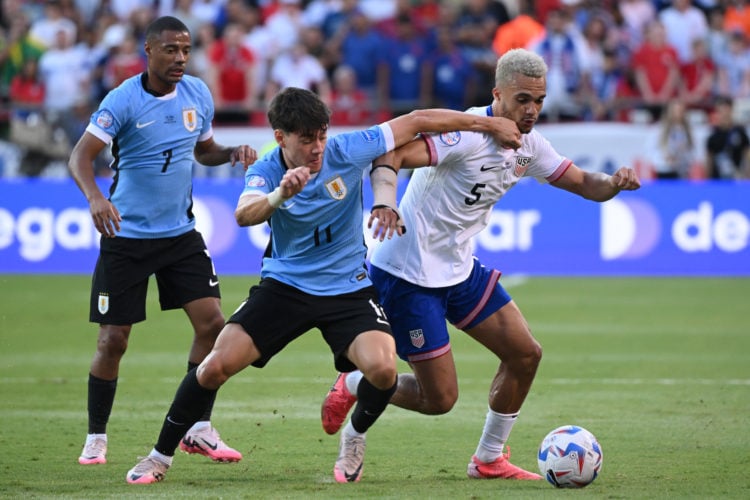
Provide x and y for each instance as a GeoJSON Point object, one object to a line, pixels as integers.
{"type": "Point", "coordinates": [156, 123]}
{"type": "Point", "coordinates": [309, 189]}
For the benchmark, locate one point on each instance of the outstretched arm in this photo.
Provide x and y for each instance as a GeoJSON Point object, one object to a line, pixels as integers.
{"type": "Point", "coordinates": [405, 127]}
{"type": "Point", "coordinates": [598, 186]}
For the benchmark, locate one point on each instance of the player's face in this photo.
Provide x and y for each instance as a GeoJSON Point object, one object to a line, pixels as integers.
{"type": "Point", "coordinates": [522, 101]}
{"type": "Point", "coordinates": [167, 57]}
{"type": "Point", "coordinates": [304, 150]}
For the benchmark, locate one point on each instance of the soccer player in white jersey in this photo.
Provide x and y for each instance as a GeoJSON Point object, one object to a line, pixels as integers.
{"type": "Point", "coordinates": [309, 190]}
{"type": "Point", "coordinates": [429, 275]}
{"type": "Point", "coordinates": [156, 123]}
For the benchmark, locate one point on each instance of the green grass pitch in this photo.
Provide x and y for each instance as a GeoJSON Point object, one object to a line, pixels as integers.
{"type": "Point", "coordinates": [657, 369]}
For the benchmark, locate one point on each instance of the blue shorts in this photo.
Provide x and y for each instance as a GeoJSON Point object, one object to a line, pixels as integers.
{"type": "Point", "coordinates": [417, 314]}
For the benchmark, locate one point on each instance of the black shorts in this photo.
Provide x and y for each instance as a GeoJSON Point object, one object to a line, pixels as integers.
{"type": "Point", "coordinates": [183, 268]}
{"type": "Point", "coordinates": [274, 314]}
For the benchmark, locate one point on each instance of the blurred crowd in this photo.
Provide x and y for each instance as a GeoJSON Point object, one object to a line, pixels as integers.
{"type": "Point", "coordinates": [608, 60]}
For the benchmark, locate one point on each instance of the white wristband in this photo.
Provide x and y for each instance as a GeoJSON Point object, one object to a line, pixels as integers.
{"type": "Point", "coordinates": [275, 199]}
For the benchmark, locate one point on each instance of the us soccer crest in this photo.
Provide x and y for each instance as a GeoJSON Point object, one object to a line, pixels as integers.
{"type": "Point", "coordinates": [190, 119]}
{"type": "Point", "coordinates": [103, 303]}
{"type": "Point", "coordinates": [522, 164]}
{"type": "Point", "coordinates": [336, 188]}
{"type": "Point", "coordinates": [417, 337]}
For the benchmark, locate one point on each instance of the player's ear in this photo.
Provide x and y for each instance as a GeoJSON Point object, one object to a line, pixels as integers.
{"type": "Point", "coordinates": [278, 136]}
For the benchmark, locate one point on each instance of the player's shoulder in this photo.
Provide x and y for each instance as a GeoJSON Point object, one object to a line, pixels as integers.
{"type": "Point", "coordinates": [194, 82]}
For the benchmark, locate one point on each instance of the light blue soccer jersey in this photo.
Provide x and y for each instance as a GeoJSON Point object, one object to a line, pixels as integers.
{"type": "Point", "coordinates": [317, 238]}
{"type": "Point", "coordinates": [152, 140]}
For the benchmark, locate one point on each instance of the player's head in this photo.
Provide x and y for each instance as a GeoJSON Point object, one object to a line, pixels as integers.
{"type": "Point", "coordinates": [167, 46]}
{"type": "Point", "coordinates": [300, 120]}
{"type": "Point", "coordinates": [520, 87]}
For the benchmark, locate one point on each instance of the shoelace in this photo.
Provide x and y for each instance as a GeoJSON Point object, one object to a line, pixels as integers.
{"type": "Point", "coordinates": [353, 452]}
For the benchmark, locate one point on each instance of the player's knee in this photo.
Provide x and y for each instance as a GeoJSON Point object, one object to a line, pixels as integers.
{"type": "Point", "coordinates": [441, 404]}
{"type": "Point", "coordinates": [113, 341]}
{"type": "Point", "coordinates": [211, 373]}
{"type": "Point", "coordinates": [382, 375]}
{"type": "Point", "coordinates": [529, 362]}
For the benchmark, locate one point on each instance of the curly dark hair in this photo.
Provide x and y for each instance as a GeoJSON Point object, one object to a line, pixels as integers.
{"type": "Point", "coordinates": [296, 110]}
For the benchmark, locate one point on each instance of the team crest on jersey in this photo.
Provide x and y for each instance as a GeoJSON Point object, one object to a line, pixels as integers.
{"type": "Point", "coordinates": [336, 188]}
{"type": "Point", "coordinates": [256, 181]}
{"type": "Point", "coordinates": [522, 164]}
{"type": "Point", "coordinates": [103, 303]}
{"type": "Point", "coordinates": [105, 119]}
{"type": "Point", "coordinates": [190, 119]}
{"type": "Point", "coordinates": [417, 337]}
{"type": "Point", "coordinates": [450, 138]}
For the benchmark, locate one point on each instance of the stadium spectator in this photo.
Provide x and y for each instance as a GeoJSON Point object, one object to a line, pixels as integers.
{"type": "Point", "coordinates": [454, 78]}
{"type": "Point", "coordinates": [636, 14]}
{"type": "Point", "coordinates": [683, 23]}
{"type": "Point", "coordinates": [147, 225]}
{"type": "Point", "coordinates": [339, 19]}
{"type": "Point", "coordinates": [727, 146]}
{"type": "Point", "coordinates": [349, 105]}
{"type": "Point", "coordinates": [717, 38]}
{"type": "Point", "coordinates": [421, 284]}
{"type": "Point", "coordinates": [562, 50]}
{"type": "Point", "coordinates": [308, 282]}
{"type": "Point", "coordinates": [285, 24]}
{"type": "Point", "coordinates": [737, 17]}
{"type": "Point", "coordinates": [733, 68]}
{"type": "Point", "coordinates": [230, 76]}
{"type": "Point", "coordinates": [475, 28]}
{"type": "Point", "coordinates": [403, 71]}
{"type": "Point", "coordinates": [359, 45]}
{"type": "Point", "coordinates": [45, 29]}
{"type": "Point", "coordinates": [672, 145]}
{"type": "Point", "coordinates": [698, 78]}
{"type": "Point", "coordinates": [656, 70]}
{"type": "Point", "coordinates": [297, 68]}
{"type": "Point", "coordinates": [125, 60]}
{"type": "Point", "coordinates": [18, 48]}
{"type": "Point", "coordinates": [523, 31]}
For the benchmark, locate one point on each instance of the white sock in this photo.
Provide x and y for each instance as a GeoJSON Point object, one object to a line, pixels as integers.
{"type": "Point", "coordinates": [161, 458]}
{"type": "Point", "coordinates": [350, 431]}
{"type": "Point", "coordinates": [201, 426]}
{"type": "Point", "coordinates": [352, 381]}
{"type": "Point", "coordinates": [91, 437]}
{"type": "Point", "coordinates": [497, 427]}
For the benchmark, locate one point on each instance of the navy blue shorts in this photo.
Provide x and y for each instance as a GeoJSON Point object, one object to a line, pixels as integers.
{"type": "Point", "coordinates": [417, 314]}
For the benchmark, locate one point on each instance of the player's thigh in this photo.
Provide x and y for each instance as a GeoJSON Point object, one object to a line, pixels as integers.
{"type": "Point", "coordinates": [437, 377]}
{"type": "Point", "coordinates": [506, 333]}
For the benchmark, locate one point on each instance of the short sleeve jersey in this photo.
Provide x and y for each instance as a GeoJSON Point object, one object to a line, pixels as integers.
{"type": "Point", "coordinates": [317, 238]}
{"type": "Point", "coordinates": [450, 201]}
{"type": "Point", "coordinates": [152, 141]}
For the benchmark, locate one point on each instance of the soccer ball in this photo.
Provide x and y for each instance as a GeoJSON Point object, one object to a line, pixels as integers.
{"type": "Point", "coordinates": [570, 457]}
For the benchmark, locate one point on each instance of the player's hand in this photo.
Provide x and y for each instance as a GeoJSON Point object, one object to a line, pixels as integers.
{"type": "Point", "coordinates": [105, 215]}
{"type": "Point", "coordinates": [294, 180]}
{"type": "Point", "coordinates": [243, 154]}
{"type": "Point", "coordinates": [389, 222]}
{"type": "Point", "coordinates": [506, 133]}
{"type": "Point", "coordinates": [625, 179]}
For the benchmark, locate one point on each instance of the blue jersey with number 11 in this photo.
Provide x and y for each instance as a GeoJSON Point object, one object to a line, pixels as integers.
{"type": "Point", "coordinates": [152, 140]}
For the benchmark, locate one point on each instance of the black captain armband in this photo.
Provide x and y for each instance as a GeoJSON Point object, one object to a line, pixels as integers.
{"type": "Point", "coordinates": [389, 167]}
{"type": "Point", "coordinates": [398, 215]}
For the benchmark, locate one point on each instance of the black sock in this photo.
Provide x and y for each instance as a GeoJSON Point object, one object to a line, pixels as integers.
{"type": "Point", "coordinates": [371, 402]}
{"type": "Point", "coordinates": [101, 399]}
{"type": "Point", "coordinates": [210, 408]}
{"type": "Point", "coordinates": [189, 403]}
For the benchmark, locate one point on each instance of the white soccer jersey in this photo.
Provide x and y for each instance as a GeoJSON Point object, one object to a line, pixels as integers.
{"type": "Point", "coordinates": [450, 201]}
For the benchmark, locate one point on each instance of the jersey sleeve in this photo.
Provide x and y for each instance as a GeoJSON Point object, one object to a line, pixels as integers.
{"type": "Point", "coordinates": [547, 165]}
{"type": "Point", "coordinates": [112, 114]}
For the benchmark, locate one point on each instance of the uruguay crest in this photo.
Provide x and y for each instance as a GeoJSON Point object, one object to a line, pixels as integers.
{"type": "Point", "coordinates": [103, 303]}
{"type": "Point", "coordinates": [190, 119]}
{"type": "Point", "coordinates": [336, 188]}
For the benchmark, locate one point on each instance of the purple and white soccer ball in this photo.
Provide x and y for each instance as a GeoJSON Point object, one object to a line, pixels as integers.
{"type": "Point", "coordinates": [570, 457]}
